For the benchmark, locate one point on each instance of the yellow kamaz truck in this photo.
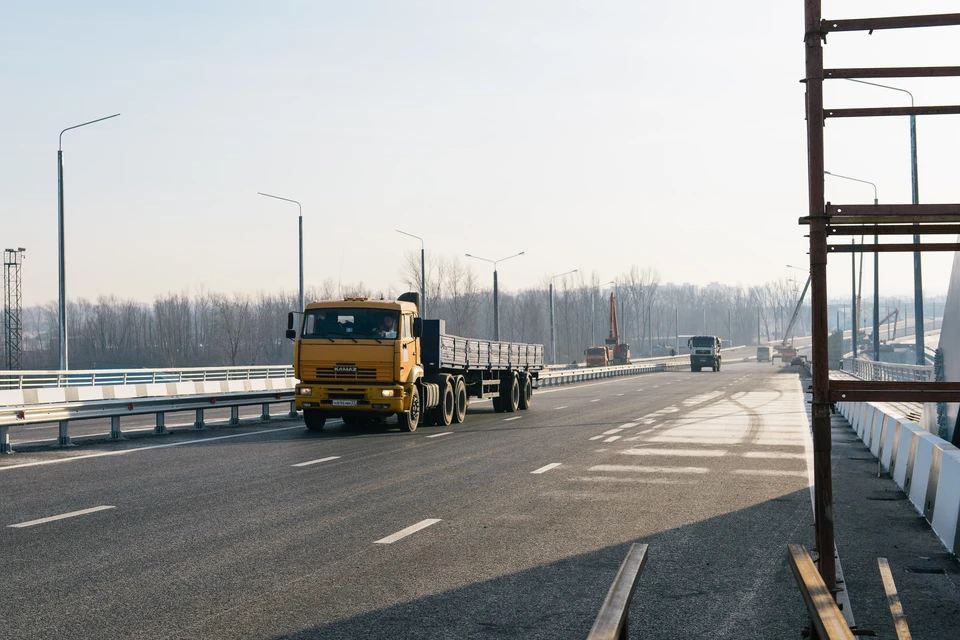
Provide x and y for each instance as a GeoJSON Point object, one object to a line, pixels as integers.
{"type": "Point", "coordinates": [365, 360]}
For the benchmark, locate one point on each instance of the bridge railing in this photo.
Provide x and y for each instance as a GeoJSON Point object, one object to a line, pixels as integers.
{"type": "Point", "coordinates": [568, 376]}
{"type": "Point", "coordinates": [887, 371]}
{"type": "Point", "coordinates": [110, 377]}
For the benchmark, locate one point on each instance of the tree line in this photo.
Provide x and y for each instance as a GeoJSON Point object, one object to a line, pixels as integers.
{"type": "Point", "coordinates": [206, 329]}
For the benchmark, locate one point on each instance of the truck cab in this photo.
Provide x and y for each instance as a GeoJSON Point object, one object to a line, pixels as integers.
{"type": "Point", "coordinates": [597, 356]}
{"type": "Point", "coordinates": [704, 352]}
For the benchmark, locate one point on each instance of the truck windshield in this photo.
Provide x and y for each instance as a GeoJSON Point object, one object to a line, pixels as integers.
{"type": "Point", "coordinates": [354, 324]}
{"type": "Point", "coordinates": [596, 352]}
{"type": "Point", "coordinates": [703, 341]}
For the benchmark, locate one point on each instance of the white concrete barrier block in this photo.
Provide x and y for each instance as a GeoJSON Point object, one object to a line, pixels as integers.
{"type": "Point", "coordinates": [908, 432]}
{"type": "Point", "coordinates": [947, 509]}
{"type": "Point", "coordinates": [51, 395]}
{"type": "Point", "coordinates": [11, 397]}
{"type": "Point", "coordinates": [153, 390]}
{"type": "Point", "coordinates": [235, 385]}
{"type": "Point", "coordinates": [858, 416]}
{"type": "Point", "coordinates": [258, 385]}
{"type": "Point", "coordinates": [874, 429]}
{"type": "Point", "coordinates": [184, 388]}
{"type": "Point", "coordinates": [120, 391]}
{"type": "Point", "coordinates": [84, 394]}
{"type": "Point", "coordinates": [888, 439]}
{"type": "Point", "coordinates": [921, 468]}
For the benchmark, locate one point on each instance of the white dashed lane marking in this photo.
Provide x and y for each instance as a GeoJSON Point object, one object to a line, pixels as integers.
{"type": "Point", "coordinates": [612, 439]}
{"type": "Point", "coordinates": [513, 418]}
{"type": "Point", "coordinates": [437, 435]}
{"type": "Point", "coordinates": [545, 468]}
{"type": "Point", "coordinates": [423, 524]}
{"type": "Point", "coordinates": [72, 514]}
{"type": "Point", "coordinates": [558, 408]}
{"type": "Point", "coordinates": [307, 464]}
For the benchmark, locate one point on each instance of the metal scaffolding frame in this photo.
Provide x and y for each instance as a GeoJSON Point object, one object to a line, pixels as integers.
{"type": "Point", "coordinates": [826, 220]}
{"type": "Point", "coordinates": [12, 309]}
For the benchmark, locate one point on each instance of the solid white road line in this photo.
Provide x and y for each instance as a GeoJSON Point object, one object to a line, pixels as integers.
{"type": "Point", "coordinates": [770, 472]}
{"type": "Point", "coordinates": [624, 467]}
{"type": "Point", "coordinates": [423, 524]}
{"type": "Point", "coordinates": [558, 408]}
{"type": "Point", "coordinates": [545, 468]}
{"type": "Point", "coordinates": [775, 455]}
{"type": "Point", "coordinates": [307, 464]}
{"type": "Point", "coordinates": [693, 453]}
{"type": "Point", "coordinates": [72, 514]}
{"type": "Point", "coordinates": [896, 609]}
{"type": "Point", "coordinates": [612, 439]}
{"type": "Point", "coordinates": [513, 418]}
{"type": "Point", "coordinates": [437, 435]}
{"type": "Point", "coordinates": [103, 454]}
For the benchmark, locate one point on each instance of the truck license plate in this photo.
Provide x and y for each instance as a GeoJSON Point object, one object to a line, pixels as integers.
{"type": "Point", "coordinates": [344, 403]}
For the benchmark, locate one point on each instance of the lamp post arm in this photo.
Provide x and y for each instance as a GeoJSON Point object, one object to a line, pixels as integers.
{"type": "Point", "coordinates": [77, 126]}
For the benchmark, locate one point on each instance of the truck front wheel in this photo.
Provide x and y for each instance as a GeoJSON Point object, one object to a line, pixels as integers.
{"type": "Point", "coordinates": [410, 420]}
{"type": "Point", "coordinates": [314, 419]}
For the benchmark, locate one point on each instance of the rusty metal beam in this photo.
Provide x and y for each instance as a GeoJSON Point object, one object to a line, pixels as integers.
{"type": "Point", "coordinates": [893, 72]}
{"type": "Point", "coordinates": [894, 248]}
{"type": "Point", "coordinates": [893, 229]}
{"type": "Point", "coordinates": [869, 112]}
{"type": "Point", "coordinates": [826, 618]}
{"type": "Point", "coordinates": [870, 391]}
{"type": "Point", "coordinates": [899, 22]}
{"type": "Point", "coordinates": [820, 411]}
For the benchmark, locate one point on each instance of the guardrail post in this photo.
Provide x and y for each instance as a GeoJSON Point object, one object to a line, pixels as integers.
{"type": "Point", "coordinates": [199, 424]}
{"type": "Point", "coordinates": [161, 428]}
{"type": "Point", "coordinates": [64, 438]}
{"type": "Point", "coordinates": [115, 428]}
{"type": "Point", "coordinates": [5, 440]}
{"type": "Point", "coordinates": [234, 416]}
{"type": "Point", "coordinates": [265, 413]}
{"type": "Point", "coordinates": [293, 409]}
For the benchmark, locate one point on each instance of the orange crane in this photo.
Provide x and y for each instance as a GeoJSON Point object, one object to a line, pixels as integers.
{"type": "Point", "coordinates": [613, 351]}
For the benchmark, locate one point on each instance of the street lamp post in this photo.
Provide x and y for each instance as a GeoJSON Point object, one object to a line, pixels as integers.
{"type": "Point", "coordinates": [301, 238]}
{"type": "Point", "coordinates": [553, 339]}
{"type": "Point", "coordinates": [64, 363]}
{"type": "Point", "coordinates": [876, 273]}
{"type": "Point", "coordinates": [423, 274]}
{"type": "Point", "coordinates": [593, 319]}
{"type": "Point", "coordinates": [915, 188]}
{"type": "Point", "coordinates": [496, 302]}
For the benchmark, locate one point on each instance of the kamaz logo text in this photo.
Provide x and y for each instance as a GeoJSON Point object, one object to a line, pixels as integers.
{"type": "Point", "coordinates": [344, 369]}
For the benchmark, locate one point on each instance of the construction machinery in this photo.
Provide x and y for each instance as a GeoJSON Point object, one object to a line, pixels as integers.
{"type": "Point", "coordinates": [785, 349]}
{"type": "Point", "coordinates": [613, 352]}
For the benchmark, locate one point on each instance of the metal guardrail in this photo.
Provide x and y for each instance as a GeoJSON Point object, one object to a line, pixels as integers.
{"type": "Point", "coordinates": [612, 621]}
{"type": "Point", "coordinates": [887, 371]}
{"type": "Point", "coordinates": [825, 615]}
{"type": "Point", "coordinates": [103, 377]}
{"type": "Point", "coordinates": [567, 376]}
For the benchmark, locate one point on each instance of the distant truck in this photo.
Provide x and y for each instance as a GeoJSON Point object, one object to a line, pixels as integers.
{"type": "Point", "coordinates": [363, 360]}
{"type": "Point", "coordinates": [704, 352]}
{"type": "Point", "coordinates": [598, 356]}
{"type": "Point", "coordinates": [764, 353]}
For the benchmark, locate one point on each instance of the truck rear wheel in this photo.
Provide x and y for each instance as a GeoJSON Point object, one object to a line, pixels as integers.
{"type": "Point", "coordinates": [443, 414]}
{"type": "Point", "coordinates": [510, 393]}
{"type": "Point", "coordinates": [314, 419]}
{"type": "Point", "coordinates": [526, 391]}
{"type": "Point", "coordinates": [410, 420]}
{"type": "Point", "coordinates": [459, 401]}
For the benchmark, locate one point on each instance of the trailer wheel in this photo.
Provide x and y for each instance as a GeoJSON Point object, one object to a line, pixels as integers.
{"type": "Point", "coordinates": [459, 401]}
{"type": "Point", "coordinates": [526, 391]}
{"type": "Point", "coordinates": [410, 420]}
{"type": "Point", "coordinates": [510, 393]}
{"type": "Point", "coordinates": [443, 414]}
{"type": "Point", "coordinates": [314, 419]}
{"type": "Point", "coordinates": [497, 404]}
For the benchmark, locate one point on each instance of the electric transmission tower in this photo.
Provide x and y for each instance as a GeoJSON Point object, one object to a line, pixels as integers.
{"type": "Point", "coordinates": [13, 308]}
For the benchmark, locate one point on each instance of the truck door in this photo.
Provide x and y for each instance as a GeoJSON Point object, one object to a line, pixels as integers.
{"type": "Point", "coordinates": [408, 346]}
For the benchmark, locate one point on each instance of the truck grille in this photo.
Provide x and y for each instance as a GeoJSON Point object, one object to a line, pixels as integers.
{"type": "Point", "coordinates": [347, 372]}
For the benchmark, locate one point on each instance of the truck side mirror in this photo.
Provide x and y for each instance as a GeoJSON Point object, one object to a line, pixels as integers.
{"type": "Point", "coordinates": [292, 334]}
{"type": "Point", "coordinates": [289, 322]}
{"type": "Point", "coordinates": [417, 327]}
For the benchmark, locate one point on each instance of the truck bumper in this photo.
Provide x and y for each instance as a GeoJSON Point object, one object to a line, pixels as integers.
{"type": "Point", "coordinates": [702, 360]}
{"type": "Point", "coordinates": [349, 399]}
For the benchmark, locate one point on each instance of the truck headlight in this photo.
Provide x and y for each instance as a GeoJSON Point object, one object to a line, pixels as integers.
{"type": "Point", "coordinates": [305, 391]}
{"type": "Point", "coordinates": [386, 393]}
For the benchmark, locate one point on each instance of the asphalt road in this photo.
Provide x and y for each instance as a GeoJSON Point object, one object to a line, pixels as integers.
{"type": "Point", "coordinates": [516, 524]}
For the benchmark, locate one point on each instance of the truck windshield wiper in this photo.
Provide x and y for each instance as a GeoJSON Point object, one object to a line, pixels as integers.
{"type": "Point", "coordinates": [345, 335]}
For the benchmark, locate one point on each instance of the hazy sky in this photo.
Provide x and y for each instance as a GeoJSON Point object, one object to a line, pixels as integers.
{"type": "Point", "coordinates": [590, 135]}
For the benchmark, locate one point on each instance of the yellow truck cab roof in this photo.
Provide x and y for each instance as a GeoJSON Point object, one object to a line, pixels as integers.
{"type": "Point", "coordinates": [363, 303]}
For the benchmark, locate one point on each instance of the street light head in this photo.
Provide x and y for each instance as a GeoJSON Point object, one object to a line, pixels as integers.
{"type": "Point", "coordinates": [521, 253]}
{"type": "Point", "coordinates": [827, 172]}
